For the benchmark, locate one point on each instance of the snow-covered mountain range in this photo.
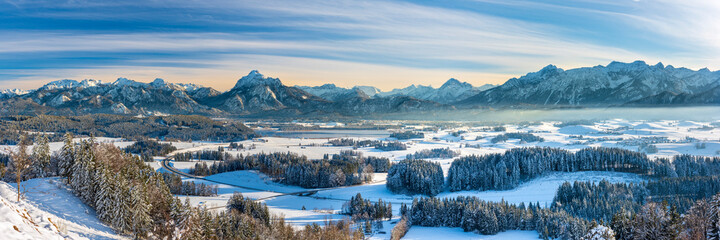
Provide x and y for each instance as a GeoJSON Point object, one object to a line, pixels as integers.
{"type": "Point", "coordinates": [452, 91]}
{"type": "Point", "coordinates": [617, 84]}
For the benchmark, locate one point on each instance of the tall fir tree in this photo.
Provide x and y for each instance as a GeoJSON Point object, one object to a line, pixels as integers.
{"type": "Point", "coordinates": [67, 157]}
{"type": "Point", "coordinates": [103, 196]}
{"type": "Point", "coordinates": [139, 212]}
{"type": "Point", "coordinates": [41, 157]}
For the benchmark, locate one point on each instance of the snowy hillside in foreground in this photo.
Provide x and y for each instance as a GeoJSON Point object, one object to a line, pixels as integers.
{"type": "Point", "coordinates": [48, 211]}
{"type": "Point", "coordinates": [17, 223]}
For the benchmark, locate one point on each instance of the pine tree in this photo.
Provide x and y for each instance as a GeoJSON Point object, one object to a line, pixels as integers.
{"type": "Point", "coordinates": [41, 156]}
{"type": "Point", "coordinates": [67, 157]}
{"type": "Point", "coordinates": [621, 223]}
{"type": "Point", "coordinates": [103, 196]}
{"type": "Point", "coordinates": [388, 211]}
{"type": "Point", "coordinates": [122, 218]}
{"type": "Point", "coordinates": [139, 211]}
{"type": "Point", "coordinates": [81, 179]}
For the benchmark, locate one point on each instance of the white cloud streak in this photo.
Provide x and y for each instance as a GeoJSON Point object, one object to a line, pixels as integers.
{"type": "Point", "coordinates": [385, 36]}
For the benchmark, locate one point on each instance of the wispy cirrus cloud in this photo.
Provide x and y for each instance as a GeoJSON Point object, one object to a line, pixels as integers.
{"type": "Point", "coordinates": [332, 41]}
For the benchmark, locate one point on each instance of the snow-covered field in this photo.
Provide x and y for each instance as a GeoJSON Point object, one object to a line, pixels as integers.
{"type": "Point", "coordinates": [50, 199]}
{"type": "Point", "coordinates": [678, 137]}
{"type": "Point", "coordinates": [540, 190]}
{"type": "Point", "coordinates": [670, 137]}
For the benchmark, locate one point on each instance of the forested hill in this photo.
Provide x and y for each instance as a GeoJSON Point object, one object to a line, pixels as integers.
{"type": "Point", "coordinates": [173, 127]}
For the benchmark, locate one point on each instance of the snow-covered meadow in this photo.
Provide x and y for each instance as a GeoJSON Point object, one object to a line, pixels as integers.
{"type": "Point", "coordinates": [669, 137]}
{"type": "Point", "coordinates": [49, 198]}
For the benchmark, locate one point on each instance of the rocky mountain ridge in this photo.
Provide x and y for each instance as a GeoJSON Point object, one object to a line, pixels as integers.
{"type": "Point", "coordinates": [617, 84]}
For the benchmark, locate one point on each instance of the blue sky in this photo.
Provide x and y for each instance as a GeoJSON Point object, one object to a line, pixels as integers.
{"type": "Point", "coordinates": [388, 44]}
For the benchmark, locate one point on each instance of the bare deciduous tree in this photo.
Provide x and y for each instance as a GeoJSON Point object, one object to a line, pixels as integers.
{"type": "Point", "coordinates": [21, 161]}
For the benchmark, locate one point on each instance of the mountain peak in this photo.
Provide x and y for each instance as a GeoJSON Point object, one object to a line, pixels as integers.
{"type": "Point", "coordinates": [188, 86]}
{"type": "Point", "coordinates": [90, 82]}
{"type": "Point", "coordinates": [158, 83]}
{"type": "Point", "coordinates": [256, 78]}
{"type": "Point", "coordinates": [64, 83]}
{"type": "Point", "coordinates": [6, 93]}
{"type": "Point", "coordinates": [452, 82]}
{"type": "Point", "coordinates": [255, 72]}
{"type": "Point", "coordinates": [368, 90]}
{"type": "Point", "coordinates": [547, 70]}
{"type": "Point", "coordinates": [638, 64]}
{"type": "Point", "coordinates": [121, 81]}
{"type": "Point", "coordinates": [549, 67]}
{"type": "Point", "coordinates": [544, 73]}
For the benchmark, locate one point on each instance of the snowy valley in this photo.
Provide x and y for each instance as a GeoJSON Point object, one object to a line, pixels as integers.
{"type": "Point", "coordinates": [52, 198]}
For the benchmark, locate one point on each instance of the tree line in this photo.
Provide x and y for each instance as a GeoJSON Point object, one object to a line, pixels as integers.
{"type": "Point", "coordinates": [391, 146]}
{"type": "Point", "coordinates": [407, 135]}
{"type": "Point", "coordinates": [377, 144]}
{"type": "Point", "coordinates": [525, 137]}
{"type": "Point", "coordinates": [434, 153]}
{"type": "Point", "coordinates": [489, 218]}
{"type": "Point", "coordinates": [363, 209]}
{"type": "Point", "coordinates": [603, 200]}
{"type": "Point", "coordinates": [652, 220]}
{"type": "Point", "coordinates": [351, 142]}
{"type": "Point", "coordinates": [219, 155]}
{"type": "Point", "coordinates": [344, 169]}
{"type": "Point", "coordinates": [172, 127]}
{"type": "Point", "coordinates": [506, 170]}
{"type": "Point", "coordinates": [148, 148]}
{"type": "Point", "coordinates": [501, 171]}
{"type": "Point", "coordinates": [414, 176]}
{"type": "Point", "coordinates": [178, 187]}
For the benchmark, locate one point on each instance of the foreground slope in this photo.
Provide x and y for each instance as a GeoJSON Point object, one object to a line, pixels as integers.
{"type": "Point", "coordinates": [48, 211]}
